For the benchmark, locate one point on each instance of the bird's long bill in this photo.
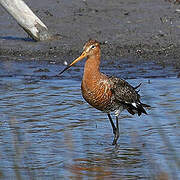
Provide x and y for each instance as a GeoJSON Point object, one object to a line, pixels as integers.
{"type": "Point", "coordinates": [83, 55]}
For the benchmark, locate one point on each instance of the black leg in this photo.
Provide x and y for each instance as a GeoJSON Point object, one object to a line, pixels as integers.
{"type": "Point", "coordinates": [117, 132]}
{"type": "Point", "coordinates": [115, 129]}
{"type": "Point", "coordinates": [112, 124]}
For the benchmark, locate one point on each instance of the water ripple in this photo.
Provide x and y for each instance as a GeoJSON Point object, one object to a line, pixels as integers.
{"type": "Point", "coordinates": [48, 130]}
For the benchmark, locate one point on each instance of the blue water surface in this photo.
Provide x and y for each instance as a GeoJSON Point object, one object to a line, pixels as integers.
{"type": "Point", "coordinates": [48, 131]}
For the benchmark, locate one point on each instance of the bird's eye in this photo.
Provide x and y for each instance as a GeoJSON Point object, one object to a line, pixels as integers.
{"type": "Point", "coordinates": [92, 47]}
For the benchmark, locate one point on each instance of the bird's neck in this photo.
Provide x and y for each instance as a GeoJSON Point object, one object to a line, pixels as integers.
{"type": "Point", "coordinates": [91, 69]}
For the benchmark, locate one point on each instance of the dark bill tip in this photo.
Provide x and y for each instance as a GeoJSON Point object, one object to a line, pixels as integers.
{"type": "Point", "coordinates": [64, 70]}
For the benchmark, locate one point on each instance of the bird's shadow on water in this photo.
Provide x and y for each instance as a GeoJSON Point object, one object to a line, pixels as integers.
{"type": "Point", "coordinates": [17, 38]}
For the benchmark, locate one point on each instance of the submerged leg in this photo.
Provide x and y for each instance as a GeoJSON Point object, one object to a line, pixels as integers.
{"type": "Point", "coordinates": [117, 132]}
{"type": "Point", "coordinates": [112, 124]}
{"type": "Point", "coordinates": [115, 129]}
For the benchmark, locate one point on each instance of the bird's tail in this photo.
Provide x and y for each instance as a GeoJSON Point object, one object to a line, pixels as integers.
{"type": "Point", "coordinates": [137, 108]}
{"type": "Point", "coordinates": [140, 109]}
{"type": "Point", "coordinates": [145, 105]}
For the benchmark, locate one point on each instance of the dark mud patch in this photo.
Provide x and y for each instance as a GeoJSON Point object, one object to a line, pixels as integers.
{"type": "Point", "coordinates": [145, 30]}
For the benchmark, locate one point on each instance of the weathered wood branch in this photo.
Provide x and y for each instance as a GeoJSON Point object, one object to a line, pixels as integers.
{"type": "Point", "coordinates": [27, 19]}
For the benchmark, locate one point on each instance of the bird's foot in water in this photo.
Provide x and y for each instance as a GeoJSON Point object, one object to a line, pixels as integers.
{"type": "Point", "coordinates": [116, 137]}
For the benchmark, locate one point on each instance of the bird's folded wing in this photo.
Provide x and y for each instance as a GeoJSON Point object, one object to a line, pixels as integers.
{"type": "Point", "coordinates": [123, 91]}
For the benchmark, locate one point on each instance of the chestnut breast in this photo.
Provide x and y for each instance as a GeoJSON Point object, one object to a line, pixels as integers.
{"type": "Point", "coordinates": [97, 92]}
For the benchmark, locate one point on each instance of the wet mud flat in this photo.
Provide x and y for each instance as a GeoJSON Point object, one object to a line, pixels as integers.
{"type": "Point", "coordinates": [146, 30]}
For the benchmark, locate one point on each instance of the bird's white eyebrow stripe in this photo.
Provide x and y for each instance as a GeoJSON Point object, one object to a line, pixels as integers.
{"type": "Point", "coordinates": [88, 48]}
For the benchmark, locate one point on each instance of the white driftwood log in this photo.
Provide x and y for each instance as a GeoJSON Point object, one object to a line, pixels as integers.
{"type": "Point", "coordinates": [27, 19]}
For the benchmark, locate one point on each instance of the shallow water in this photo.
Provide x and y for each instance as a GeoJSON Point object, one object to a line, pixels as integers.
{"type": "Point", "coordinates": [48, 131]}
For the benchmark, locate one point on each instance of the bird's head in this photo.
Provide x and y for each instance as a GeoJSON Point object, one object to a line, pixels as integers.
{"type": "Point", "coordinates": [91, 48]}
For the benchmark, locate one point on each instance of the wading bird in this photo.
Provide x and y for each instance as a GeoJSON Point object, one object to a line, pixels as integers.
{"type": "Point", "coordinates": [107, 94]}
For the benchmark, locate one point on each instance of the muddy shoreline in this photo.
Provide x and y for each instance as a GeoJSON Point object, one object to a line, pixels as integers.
{"type": "Point", "coordinates": [143, 30]}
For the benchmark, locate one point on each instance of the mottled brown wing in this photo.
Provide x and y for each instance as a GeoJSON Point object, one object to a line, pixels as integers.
{"type": "Point", "coordinates": [123, 91]}
{"type": "Point", "coordinates": [126, 94]}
